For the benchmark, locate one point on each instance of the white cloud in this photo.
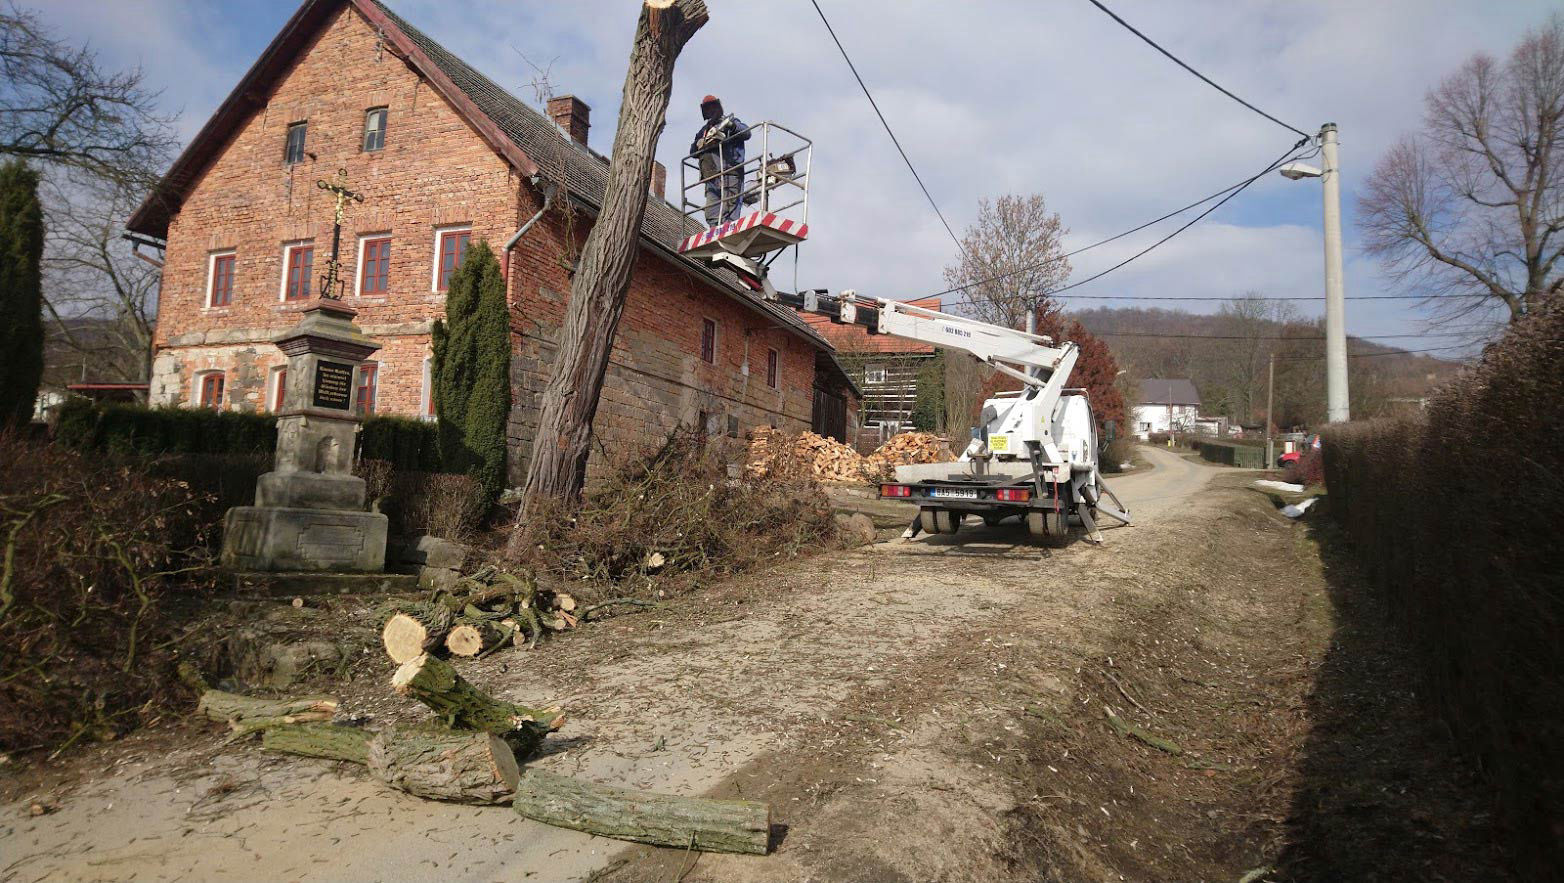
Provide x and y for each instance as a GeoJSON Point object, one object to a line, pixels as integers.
{"type": "Point", "coordinates": [987, 97]}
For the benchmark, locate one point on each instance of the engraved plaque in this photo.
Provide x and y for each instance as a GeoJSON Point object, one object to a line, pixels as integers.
{"type": "Point", "coordinates": [333, 385]}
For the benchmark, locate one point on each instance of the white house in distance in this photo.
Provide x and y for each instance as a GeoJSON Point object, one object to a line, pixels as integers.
{"type": "Point", "coordinates": [1166, 405]}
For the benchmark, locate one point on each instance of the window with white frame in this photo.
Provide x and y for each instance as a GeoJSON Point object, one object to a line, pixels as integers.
{"type": "Point", "coordinates": [426, 400]}
{"type": "Point", "coordinates": [874, 375]}
{"type": "Point", "coordinates": [209, 389]}
{"type": "Point", "coordinates": [450, 246]}
{"type": "Point", "coordinates": [277, 388]}
{"type": "Point", "coordinates": [298, 264]}
{"type": "Point", "coordinates": [220, 278]}
{"type": "Point", "coordinates": [374, 265]}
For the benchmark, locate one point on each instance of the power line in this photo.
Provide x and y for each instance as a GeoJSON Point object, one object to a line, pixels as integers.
{"type": "Point", "coordinates": [1230, 190]}
{"type": "Point", "coordinates": [894, 140]}
{"type": "Point", "coordinates": [1271, 336]}
{"type": "Point", "coordinates": [1207, 80]}
{"type": "Point", "coordinates": [1394, 352]}
{"type": "Point", "coordinates": [1179, 297]}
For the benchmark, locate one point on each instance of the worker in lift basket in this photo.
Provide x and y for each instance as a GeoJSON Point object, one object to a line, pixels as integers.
{"type": "Point", "coordinates": [720, 146]}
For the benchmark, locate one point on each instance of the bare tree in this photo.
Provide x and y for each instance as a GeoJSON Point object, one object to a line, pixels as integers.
{"type": "Point", "coordinates": [1470, 208]}
{"type": "Point", "coordinates": [57, 106]}
{"type": "Point", "coordinates": [557, 469]}
{"type": "Point", "coordinates": [101, 299]}
{"type": "Point", "coordinates": [1014, 250]}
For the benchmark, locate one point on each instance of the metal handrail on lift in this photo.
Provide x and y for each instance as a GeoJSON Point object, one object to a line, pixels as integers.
{"type": "Point", "coordinates": [762, 174]}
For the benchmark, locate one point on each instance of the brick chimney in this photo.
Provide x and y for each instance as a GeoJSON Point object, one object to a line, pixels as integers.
{"type": "Point", "coordinates": [659, 180]}
{"type": "Point", "coordinates": [571, 114]}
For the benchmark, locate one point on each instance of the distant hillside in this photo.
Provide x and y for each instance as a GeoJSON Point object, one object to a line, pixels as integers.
{"type": "Point", "coordinates": [1231, 374]}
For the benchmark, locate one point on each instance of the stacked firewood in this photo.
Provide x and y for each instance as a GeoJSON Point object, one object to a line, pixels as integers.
{"type": "Point", "coordinates": [483, 612]}
{"type": "Point", "coordinates": [821, 458]}
{"type": "Point", "coordinates": [906, 449]}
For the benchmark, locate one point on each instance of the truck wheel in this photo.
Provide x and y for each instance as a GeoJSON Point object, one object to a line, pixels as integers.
{"type": "Point", "coordinates": [1035, 525]}
{"type": "Point", "coordinates": [947, 521]}
{"type": "Point", "coordinates": [1057, 523]}
{"type": "Point", "coordinates": [926, 520]}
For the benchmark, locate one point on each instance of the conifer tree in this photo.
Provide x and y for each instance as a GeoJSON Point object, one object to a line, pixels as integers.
{"type": "Point", "coordinates": [471, 371]}
{"type": "Point", "coordinates": [21, 293]}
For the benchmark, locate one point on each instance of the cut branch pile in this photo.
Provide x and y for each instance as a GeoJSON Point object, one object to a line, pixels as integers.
{"type": "Point", "coordinates": [481, 613]}
{"type": "Point", "coordinates": [904, 450]}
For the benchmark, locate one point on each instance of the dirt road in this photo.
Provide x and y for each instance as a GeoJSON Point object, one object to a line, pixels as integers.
{"type": "Point", "coordinates": [912, 711]}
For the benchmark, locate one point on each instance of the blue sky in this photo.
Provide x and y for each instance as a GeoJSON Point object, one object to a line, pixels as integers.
{"type": "Point", "coordinates": [988, 97]}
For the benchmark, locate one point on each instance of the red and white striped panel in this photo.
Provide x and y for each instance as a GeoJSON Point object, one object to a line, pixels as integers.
{"type": "Point", "coordinates": [764, 219]}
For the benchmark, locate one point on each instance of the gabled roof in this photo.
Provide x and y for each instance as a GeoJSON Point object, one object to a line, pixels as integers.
{"type": "Point", "coordinates": [520, 134]}
{"type": "Point", "coordinates": [1179, 391]}
{"type": "Point", "coordinates": [857, 339]}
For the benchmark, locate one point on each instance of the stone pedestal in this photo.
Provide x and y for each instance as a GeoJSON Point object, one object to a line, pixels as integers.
{"type": "Point", "coordinates": [309, 510]}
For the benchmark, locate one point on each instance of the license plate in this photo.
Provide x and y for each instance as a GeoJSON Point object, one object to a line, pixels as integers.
{"type": "Point", "coordinates": [953, 493]}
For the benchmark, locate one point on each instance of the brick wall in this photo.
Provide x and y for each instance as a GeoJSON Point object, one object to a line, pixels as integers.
{"type": "Point", "coordinates": [435, 171]}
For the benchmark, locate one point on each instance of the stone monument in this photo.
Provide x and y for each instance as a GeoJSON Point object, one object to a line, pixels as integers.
{"type": "Point", "coordinates": [309, 510]}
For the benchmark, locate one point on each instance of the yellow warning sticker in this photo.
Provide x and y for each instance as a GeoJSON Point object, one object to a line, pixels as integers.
{"type": "Point", "coordinates": [999, 444]}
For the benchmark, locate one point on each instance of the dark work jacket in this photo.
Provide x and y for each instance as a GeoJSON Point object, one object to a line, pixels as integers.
{"type": "Point", "coordinates": [732, 145]}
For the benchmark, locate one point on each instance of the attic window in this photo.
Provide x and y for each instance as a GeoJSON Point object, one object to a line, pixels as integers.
{"type": "Point", "coordinates": [293, 149]}
{"type": "Point", "coordinates": [374, 129]}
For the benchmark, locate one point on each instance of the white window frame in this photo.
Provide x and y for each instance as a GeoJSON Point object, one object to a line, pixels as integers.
{"type": "Point", "coordinates": [434, 265]}
{"type": "Point", "coordinates": [198, 385]}
{"type": "Point", "coordinates": [282, 282]}
{"type": "Point", "coordinates": [273, 376]}
{"type": "Point", "coordinates": [211, 273]}
{"type": "Point", "coordinates": [358, 265]}
{"type": "Point", "coordinates": [374, 400]}
{"type": "Point", "coordinates": [426, 398]}
{"type": "Point", "coordinates": [869, 374]}
{"type": "Point", "coordinates": [385, 128]}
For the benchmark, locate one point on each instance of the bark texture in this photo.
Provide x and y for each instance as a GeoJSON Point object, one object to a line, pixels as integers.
{"type": "Point", "coordinates": [557, 468]}
{"type": "Point", "coordinates": [741, 826]}
{"type": "Point", "coordinates": [415, 630]}
{"type": "Point", "coordinates": [462, 767]}
{"type": "Point", "coordinates": [460, 705]}
{"type": "Point", "coordinates": [331, 741]}
{"type": "Point", "coordinates": [226, 707]}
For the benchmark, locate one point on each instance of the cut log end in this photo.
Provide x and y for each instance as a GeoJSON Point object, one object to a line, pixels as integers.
{"type": "Point", "coordinates": [403, 637]}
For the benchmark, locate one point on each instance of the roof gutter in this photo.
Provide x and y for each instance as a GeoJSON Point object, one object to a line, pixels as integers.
{"type": "Point", "coordinates": [548, 201]}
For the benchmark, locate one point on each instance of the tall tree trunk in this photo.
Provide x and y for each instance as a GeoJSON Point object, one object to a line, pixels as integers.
{"type": "Point", "coordinates": [557, 469]}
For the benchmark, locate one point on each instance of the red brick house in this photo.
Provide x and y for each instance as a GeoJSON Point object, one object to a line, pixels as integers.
{"type": "Point", "coordinates": [443, 157]}
{"type": "Point", "coordinates": [886, 368]}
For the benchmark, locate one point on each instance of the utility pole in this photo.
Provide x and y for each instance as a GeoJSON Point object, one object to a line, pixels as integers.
{"type": "Point", "coordinates": [1270, 404]}
{"type": "Point", "coordinates": [1335, 298]}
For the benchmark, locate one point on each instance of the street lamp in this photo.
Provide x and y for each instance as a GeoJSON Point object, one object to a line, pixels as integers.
{"type": "Point", "coordinates": [1335, 299]}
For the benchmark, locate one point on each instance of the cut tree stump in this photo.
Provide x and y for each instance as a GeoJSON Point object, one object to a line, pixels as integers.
{"type": "Point", "coordinates": [331, 741]}
{"type": "Point", "coordinates": [462, 706]}
{"type": "Point", "coordinates": [473, 636]}
{"type": "Point", "coordinates": [463, 767]}
{"type": "Point", "coordinates": [226, 707]}
{"type": "Point", "coordinates": [415, 630]}
{"type": "Point", "coordinates": [699, 823]}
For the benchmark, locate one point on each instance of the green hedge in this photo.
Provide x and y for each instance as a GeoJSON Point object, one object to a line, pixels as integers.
{"type": "Point", "coordinates": [1454, 516]}
{"type": "Point", "coordinates": [136, 430]}
{"type": "Point", "coordinates": [1231, 453]}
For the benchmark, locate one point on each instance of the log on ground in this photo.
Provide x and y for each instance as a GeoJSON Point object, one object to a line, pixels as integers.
{"type": "Point", "coordinates": [699, 823]}
{"type": "Point", "coordinates": [462, 706]}
{"type": "Point", "coordinates": [330, 741]}
{"type": "Point", "coordinates": [473, 636]}
{"type": "Point", "coordinates": [415, 630]}
{"type": "Point", "coordinates": [225, 707]}
{"type": "Point", "coordinates": [463, 767]}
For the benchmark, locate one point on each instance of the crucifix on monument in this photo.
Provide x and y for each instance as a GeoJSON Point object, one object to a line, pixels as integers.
{"type": "Point", "coordinates": [331, 283]}
{"type": "Point", "coordinates": [309, 510]}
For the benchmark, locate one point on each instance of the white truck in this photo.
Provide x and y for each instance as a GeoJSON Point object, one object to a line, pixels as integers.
{"type": "Point", "coordinates": [1034, 454]}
